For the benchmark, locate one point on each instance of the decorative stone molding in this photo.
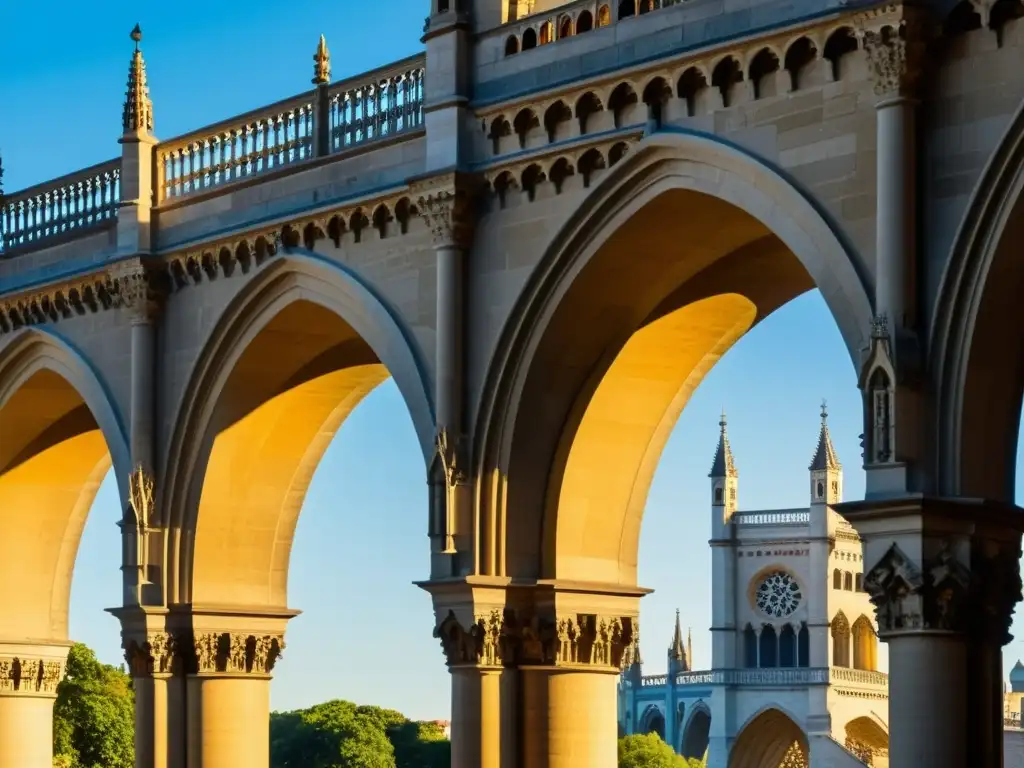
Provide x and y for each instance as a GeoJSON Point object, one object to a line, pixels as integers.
{"type": "Point", "coordinates": [995, 588]}
{"type": "Point", "coordinates": [451, 459]}
{"type": "Point", "coordinates": [30, 676]}
{"type": "Point", "coordinates": [502, 639]}
{"type": "Point", "coordinates": [878, 384]}
{"type": "Point", "coordinates": [448, 211]}
{"type": "Point", "coordinates": [159, 653]}
{"type": "Point", "coordinates": [895, 40]}
{"type": "Point", "coordinates": [59, 302]}
{"type": "Point", "coordinates": [234, 652]}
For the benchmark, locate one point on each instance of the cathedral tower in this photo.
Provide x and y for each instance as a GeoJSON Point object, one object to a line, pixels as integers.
{"type": "Point", "coordinates": [724, 485]}
{"type": "Point", "coordinates": [826, 471]}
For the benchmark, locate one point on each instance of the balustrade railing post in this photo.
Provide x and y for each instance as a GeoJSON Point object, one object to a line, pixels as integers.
{"type": "Point", "coordinates": [321, 100]}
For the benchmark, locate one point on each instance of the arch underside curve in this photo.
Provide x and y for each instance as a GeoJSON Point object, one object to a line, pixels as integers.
{"type": "Point", "coordinates": [977, 364]}
{"type": "Point", "coordinates": [290, 359]}
{"type": "Point", "coordinates": [696, 732]}
{"type": "Point", "coordinates": [679, 250]}
{"type": "Point", "coordinates": [770, 739]}
{"type": "Point", "coordinates": [61, 433]}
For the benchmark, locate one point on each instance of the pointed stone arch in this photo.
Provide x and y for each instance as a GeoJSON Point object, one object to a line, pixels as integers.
{"type": "Point", "coordinates": [977, 367]}
{"type": "Point", "coordinates": [696, 733]}
{"type": "Point", "coordinates": [548, 521]}
{"type": "Point", "coordinates": [770, 738]}
{"type": "Point", "coordinates": [653, 721]}
{"type": "Point", "coordinates": [61, 434]}
{"type": "Point", "coordinates": [840, 631]}
{"type": "Point", "coordinates": [355, 342]}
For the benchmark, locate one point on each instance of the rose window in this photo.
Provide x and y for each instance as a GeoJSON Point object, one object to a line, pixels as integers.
{"type": "Point", "coordinates": [778, 595]}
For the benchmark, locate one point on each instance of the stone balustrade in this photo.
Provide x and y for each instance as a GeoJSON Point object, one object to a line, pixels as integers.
{"type": "Point", "coordinates": [66, 206]}
{"type": "Point", "coordinates": [253, 143]}
{"type": "Point", "coordinates": [370, 106]}
{"type": "Point", "coordinates": [378, 104]}
{"type": "Point", "coordinates": [778, 517]}
{"type": "Point", "coordinates": [777, 676]}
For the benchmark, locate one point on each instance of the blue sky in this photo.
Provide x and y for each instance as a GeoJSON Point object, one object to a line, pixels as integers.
{"type": "Point", "coordinates": [365, 633]}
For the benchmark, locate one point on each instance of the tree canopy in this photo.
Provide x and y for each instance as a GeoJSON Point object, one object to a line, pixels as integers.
{"type": "Point", "coordinates": [649, 751]}
{"type": "Point", "coordinates": [94, 715]}
{"type": "Point", "coordinates": [339, 734]}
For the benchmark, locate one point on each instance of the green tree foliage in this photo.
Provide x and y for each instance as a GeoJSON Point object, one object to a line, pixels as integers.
{"type": "Point", "coordinates": [649, 751]}
{"type": "Point", "coordinates": [94, 715]}
{"type": "Point", "coordinates": [338, 734]}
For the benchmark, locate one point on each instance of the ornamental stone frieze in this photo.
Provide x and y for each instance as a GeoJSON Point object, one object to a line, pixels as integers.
{"type": "Point", "coordinates": [895, 40]}
{"type": "Point", "coordinates": [944, 594]}
{"type": "Point", "coordinates": [29, 675]}
{"type": "Point", "coordinates": [503, 639]}
{"type": "Point", "coordinates": [236, 653]}
{"type": "Point", "coordinates": [159, 653]}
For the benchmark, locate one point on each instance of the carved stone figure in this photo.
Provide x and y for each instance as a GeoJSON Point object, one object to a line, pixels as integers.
{"type": "Point", "coordinates": [448, 451]}
{"type": "Point", "coordinates": [894, 586]}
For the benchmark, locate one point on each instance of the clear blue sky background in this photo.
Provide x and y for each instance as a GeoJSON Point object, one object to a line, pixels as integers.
{"type": "Point", "coordinates": [365, 633]}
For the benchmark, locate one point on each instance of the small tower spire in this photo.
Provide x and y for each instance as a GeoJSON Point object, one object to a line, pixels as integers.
{"type": "Point", "coordinates": [321, 63]}
{"type": "Point", "coordinates": [689, 646]}
{"type": "Point", "coordinates": [723, 465]}
{"type": "Point", "coordinates": [137, 117]}
{"type": "Point", "coordinates": [826, 471]}
{"type": "Point", "coordinates": [678, 661]}
{"type": "Point", "coordinates": [825, 455]}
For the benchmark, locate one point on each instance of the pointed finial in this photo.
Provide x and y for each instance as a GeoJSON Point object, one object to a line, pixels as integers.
{"type": "Point", "coordinates": [824, 411]}
{"type": "Point", "coordinates": [723, 422]}
{"type": "Point", "coordinates": [137, 117]}
{"type": "Point", "coordinates": [322, 63]}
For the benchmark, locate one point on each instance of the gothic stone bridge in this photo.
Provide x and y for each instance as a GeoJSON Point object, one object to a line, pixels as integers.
{"type": "Point", "coordinates": [547, 228]}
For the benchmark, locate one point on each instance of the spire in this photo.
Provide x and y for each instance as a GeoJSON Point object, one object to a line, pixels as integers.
{"type": "Point", "coordinates": [137, 117]}
{"type": "Point", "coordinates": [825, 455]}
{"type": "Point", "coordinates": [322, 63]}
{"type": "Point", "coordinates": [677, 651]}
{"type": "Point", "coordinates": [723, 465]}
{"type": "Point", "coordinates": [689, 646]}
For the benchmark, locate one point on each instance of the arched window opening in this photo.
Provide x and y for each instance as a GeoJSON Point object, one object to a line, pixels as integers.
{"type": "Point", "coordinates": [565, 27]}
{"type": "Point", "coordinates": [604, 16]}
{"type": "Point", "coordinates": [839, 44]}
{"type": "Point", "coordinates": [769, 647]}
{"type": "Point", "coordinates": [584, 22]}
{"type": "Point", "coordinates": [749, 648]}
{"type": "Point", "coordinates": [840, 641]}
{"type": "Point", "coordinates": [529, 39]}
{"type": "Point", "coordinates": [800, 55]}
{"type": "Point", "coordinates": [848, 581]}
{"type": "Point", "coordinates": [787, 647]}
{"type": "Point", "coordinates": [803, 643]}
{"type": "Point", "coordinates": [627, 8]}
{"type": "Point", "coordinates": [547, 33]}
{"type": "Point", "coordinates": [865, 645]}
{"type": "Point", "coordinates": [837, 579]}
{"type": "Point", "coordinates": [511, 45]}
{"type": "Point", "coordinates": [858, 582]}
{"type": "Point", "coordinates": [718, 494]}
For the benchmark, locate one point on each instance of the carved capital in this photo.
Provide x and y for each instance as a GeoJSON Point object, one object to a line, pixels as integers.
{"type": "Point", "coordinates": [448, 212]}
{"type": "Point", "coordinates": [235, 652]}
{"type": "Point", "coordinates": [30, 675]}
{"type": "Point", "coordinates": [139, 291]}
{"type": "Point", "coordinates": [159, 653]}
{"type": "Point", "coordinates": [947, 594]}
{"type": "Point", "coordinates": [505, 639]}
{"type": "Point", "coordinates": [895, 40]}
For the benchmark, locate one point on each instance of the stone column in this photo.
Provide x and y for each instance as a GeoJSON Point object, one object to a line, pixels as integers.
{"type": "Point", "coordinates": [944, 577]}
{"type": "Point", "coordinates": [154, 661]}
{"type": "Point", "coordinates": [228, 698]}
{"type": "Point", "coordinates": [894, 38]}
{"type": "Point", "coordinates": [569, 677]}
{"type": "Point", "coordinates": [29, 675]}
{"type": "Point", "coordinates": [444, 204]}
